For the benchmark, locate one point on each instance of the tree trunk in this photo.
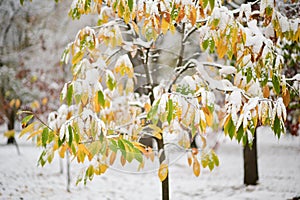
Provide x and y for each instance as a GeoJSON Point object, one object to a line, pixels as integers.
{"type": "Point", "coordinates": [165, 183]}
{"type": "Point", "coordinates": [11, 126]}
{"type": "Point", "coordinates": [250, 163]}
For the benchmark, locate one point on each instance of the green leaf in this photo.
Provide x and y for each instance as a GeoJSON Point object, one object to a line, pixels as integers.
{"type": "Point", "coordinates": [101, 99]}
{"type": "Point", "coordinates": [276, 84]}
{"type": "Point", "coordinates": [211, 165]}
{"type": "Point", "coordinates": [76, 133]}
{"type": "Point", "coordinates": [138, 155]}
{"type": "Point", "coordinates": [111, 83]}
{"type": "Point", "coordinates": [212, 46]}
{"type": "Point", "coordinates": [240, 133]}
{"type": "Point", "coordinates": [170, 109]}
{"type": "Point", "coordinates": [122, 147]}
{"type": "Point", "coordinates": [245, 139]}
{"type": "Point", "coordinates": [41, 158]}
{"type": "Point", "coordinates": [22, 2]}
{"type": "Point", "coordinates": [78, 56]}
{"type": "Point", "coordinates": [94, 147]}
{"type": "Point", "coordinates": [230, 128]}
{"type": "Point", "coordinates": [205, 44]}
{"type": "Point", "coordinates": [269, 11]}
{"type": "Point", "coordinates": [45, 136]}
{"type": "Point", "coordinates": [113, 145]}
{"type": "Point", "coordinates": [215, 158]}
{"type": "Point", "coordinates": [204, 161]}
{"type": "Point", "coordinates": [249, 74]}
{"type": "Point", "coordinates": [277, 127]}
{"type": "Point", "coordinates": [153, 110]}
{"type": "Point", "coordinates": [70, 135]}
{"type": "Point", "coordinates": [26, 119]}
{"type": "Point", "coordinates": [51, 136]}
{"type": "Point", "coordinates": [216, 22]}
{"type": "Point", "coordinates": [205, 3]}
{"type": "Point", "coordinates": [212, 4]}
{"type": "Point", "coordinates": [60, 142]}
{"type": "Point", "coordinates": [69, 94]}
{"type": "Point", "coordinates": [130, 5]}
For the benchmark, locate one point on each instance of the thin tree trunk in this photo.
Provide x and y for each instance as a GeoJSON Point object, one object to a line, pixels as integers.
{"type": "Point", "coordinates": [11, 126]}
{"type": "Point", "coordinates": [68, 172]}
{"type": "Point", "coordinates": [165, 183]}
{"type": "Point", "coordinates": [250, 163]}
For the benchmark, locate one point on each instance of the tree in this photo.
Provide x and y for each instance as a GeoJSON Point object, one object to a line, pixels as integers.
{"type": "Point", "coordinates": [25, 83]}
{"type": "Point", "coordinates": [108, 107]}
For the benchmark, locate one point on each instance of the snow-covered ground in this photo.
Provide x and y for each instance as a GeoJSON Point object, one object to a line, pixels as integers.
{"type": "Point", "coordinates": [279, 172]}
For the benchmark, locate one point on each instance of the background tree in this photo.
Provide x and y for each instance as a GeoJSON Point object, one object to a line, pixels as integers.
{"type": "Point", "coordinates": [106, 114]}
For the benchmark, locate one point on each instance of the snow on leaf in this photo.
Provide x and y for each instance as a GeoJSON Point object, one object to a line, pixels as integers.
{"type": "Point", "coordinates": [227, 70]}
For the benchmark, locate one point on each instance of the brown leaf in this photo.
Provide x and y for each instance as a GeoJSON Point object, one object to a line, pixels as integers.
{"type": "Point", "coordinates": [112, 158]}
{"type": "Point", "coordinates": [266, 91]}
{"type": "Point", "coordinates": [286, 97]}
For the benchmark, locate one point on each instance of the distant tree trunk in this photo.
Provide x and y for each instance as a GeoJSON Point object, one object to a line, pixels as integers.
{"type": "Point", "coordinates": [250, 163]}
{"type": "Point", "coordinates": [11, 126]}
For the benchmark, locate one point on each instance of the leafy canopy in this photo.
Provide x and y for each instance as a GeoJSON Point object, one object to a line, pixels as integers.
{"type": "Point", "coordinates": [104, 116]}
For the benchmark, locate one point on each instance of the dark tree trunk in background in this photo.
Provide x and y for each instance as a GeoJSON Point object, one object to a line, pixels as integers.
{"type": "Point", "coordinates": [11, 126]}
{"type": "Point", "coordinates": [250, 163]}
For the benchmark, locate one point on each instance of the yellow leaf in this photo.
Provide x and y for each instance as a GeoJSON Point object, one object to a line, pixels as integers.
{"type": "Point", "coordinates": [62, 151]}
{"type": "Point", "coordinates": [112, 158]}
{"type": "Point", "coordinates": [78, 56]}
{"type": "Point", "coordinates": [35, 104]}
{"type": "Point", "coordinates": [12, 103]}
{"type": "Point", "coordinates": [18, 103]}
{"type": "Point", "coordinates": [164, 25]}
{"type": "Point", "coordinates": [196, 167]}
{"type": "Point", "coordinates": [9, 134]}
{"type": "Point", "coordinates": [163, 172]}
{"type": "Point", "coordinates": [84, 98]}
{"type": "Point", "coordinates": [172, 28]}
{"type": "Point", "coordinates": [103, 168]}
{"type": "Point", "coordinates": [208, 116]}
{"type": "Point", "coordinates": [147, 107]}
{"type": "Point", "coordinates": [34, 133]}
{"type": "Point", "coordinates": [44, 101]}
{"type": "Point", "coordinates": [29, 128]}
{"type": "Point", "coordinates": [135, 27]}
{"type": "Point", "coordinates": [96, 103]}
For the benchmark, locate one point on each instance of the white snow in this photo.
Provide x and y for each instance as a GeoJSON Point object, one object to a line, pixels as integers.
{"type": "Point", "coordinates": [278, 162]}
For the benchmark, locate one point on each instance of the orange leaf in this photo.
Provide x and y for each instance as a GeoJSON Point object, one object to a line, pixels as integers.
{"type": "Point", "coordinates": [266, 91]}
{"type": "Point", "coordinates": [196, 167]}
{"type": "Point", "coordinates": [190, 158]}
{"type": "Point", "coordinates": [163, 172]}
{"type": "Point", "coordinates": [193, 15]}
{"type": "Point", "coordinates": [286, 97]}
{"type": "Point", "coordinates": [123, 161]}
{"type": "Point", "coordinates": [112, 158]}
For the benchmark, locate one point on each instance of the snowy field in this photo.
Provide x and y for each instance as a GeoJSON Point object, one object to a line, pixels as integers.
{"type": "Point", "coordinates": [279, 172]}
